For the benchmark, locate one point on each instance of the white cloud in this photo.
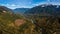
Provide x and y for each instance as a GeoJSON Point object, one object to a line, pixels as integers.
{"type": "Point", "coordinates": [8, 5]}
{"type": "Point", "coordinates": [13, 6]}
{"type": "Point", "coordinates": [54, 3]}
{"type": "Point", "coordinates": [39, 3]}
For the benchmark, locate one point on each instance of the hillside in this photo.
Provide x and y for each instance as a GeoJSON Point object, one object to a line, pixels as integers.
{"type": "Point", "coordinates": [11, 23]}
{"type": "Point", "coordinates": [3, 8]}
{"type": "Point", "coordinates": [7, 20]}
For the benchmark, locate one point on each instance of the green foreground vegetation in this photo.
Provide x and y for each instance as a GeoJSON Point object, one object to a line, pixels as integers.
{"type": "Point", "coordinates": [7, 25]}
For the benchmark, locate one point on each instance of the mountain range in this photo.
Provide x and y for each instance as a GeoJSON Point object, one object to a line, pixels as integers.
{"type": "Point", "coordinates": [44, 9]}
{"type": "Point", "coordinates": [20, 10]}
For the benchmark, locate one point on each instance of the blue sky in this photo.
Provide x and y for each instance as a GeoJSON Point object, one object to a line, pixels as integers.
{"type": "Point", "coordinates": [26, 3]}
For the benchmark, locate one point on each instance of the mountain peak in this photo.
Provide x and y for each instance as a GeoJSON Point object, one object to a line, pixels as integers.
{"type": "Point", "coordinates": [43, 5]}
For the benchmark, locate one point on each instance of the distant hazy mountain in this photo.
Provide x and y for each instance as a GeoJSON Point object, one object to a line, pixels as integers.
{"type": "Point", "coordinates": [20, 10]}
{"type": "Point", "coordinates": [45, 9]}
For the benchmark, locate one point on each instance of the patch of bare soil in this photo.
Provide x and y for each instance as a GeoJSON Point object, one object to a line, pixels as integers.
{"type": "Point", "coordinates": [19, 22]}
